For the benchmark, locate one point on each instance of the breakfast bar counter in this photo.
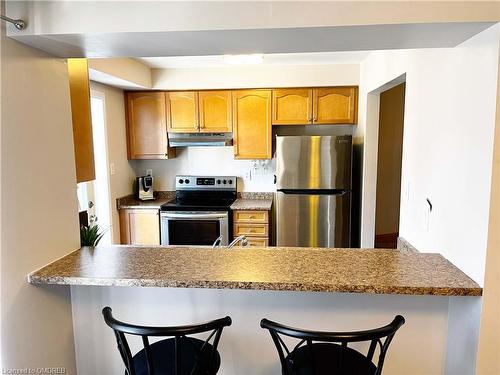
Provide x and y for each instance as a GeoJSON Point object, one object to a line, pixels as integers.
{"type": "Point", "coordinates": [315, 288]}
{"type": "Point", "coordinates": [268, 268]}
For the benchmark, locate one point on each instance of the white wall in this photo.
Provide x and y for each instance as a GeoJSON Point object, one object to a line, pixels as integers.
{"type": "Point", "coordinates": [121, 182]}
{"type": "Point", "coordinates": [39, 207]}
{"type": "Point", "coordinates": [209, 161]}
{"type": "Point", "coordinates": [259, 76]}
{"type": "Point", "coordinates": [448, 145]}
{"type": "Point", "coordinates": [419, 347]}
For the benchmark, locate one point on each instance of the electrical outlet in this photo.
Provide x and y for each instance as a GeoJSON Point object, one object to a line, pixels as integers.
{"type": "Point", "coordinates": [149, 172]}
{"type": "Point", "coordinates": [248, 175]}
{"type": "Point", "coordinates": [112, 169]}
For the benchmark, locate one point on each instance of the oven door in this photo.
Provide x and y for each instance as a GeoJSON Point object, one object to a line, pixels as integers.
{"type": "Point", "coordinates": [194, 227]}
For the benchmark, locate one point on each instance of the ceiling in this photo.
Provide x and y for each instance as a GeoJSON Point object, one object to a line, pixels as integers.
{"type": "Point", "coordinates": [244, 41]}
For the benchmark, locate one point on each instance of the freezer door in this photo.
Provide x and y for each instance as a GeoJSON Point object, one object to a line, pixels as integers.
{"type": "Point", "coordinates": [313, 220]}
{"type": "Point", "coordinates": [313, 162]}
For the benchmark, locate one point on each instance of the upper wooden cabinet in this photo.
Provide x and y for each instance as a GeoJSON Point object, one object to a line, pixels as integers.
{"type": "Point", "coordinates": [252, 124]}
{"type": "Point", "coordinates": [336, 105]}
{"type": "Point", "coordinates": [147, 126]}
{"type": "Point", "coordinates": [79, 88]}
{"type": "Point", "coordinates": [292, 106]}
{"type": "Point", "coordinates": [333, 105]}
{"type": "Point", "coordinates": [182, 109]}
{"type": "Point", "coordinates": [215, 112]}
{"type": "Point", "coordinates": [203, 111]}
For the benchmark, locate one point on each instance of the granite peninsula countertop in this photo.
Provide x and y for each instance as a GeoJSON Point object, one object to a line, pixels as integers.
{"type": "Point", "coordinates": [252, 204]}
{"type": "Point", "coordinates": [262, 268]}
{"type": "Point", "coordinates": [130, 201]}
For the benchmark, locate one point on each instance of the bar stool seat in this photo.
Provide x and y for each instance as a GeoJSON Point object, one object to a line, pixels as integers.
{"type": "Point", "coordinates": [324, 354]}
{"type": "Point", "coordinates": [163, 355]}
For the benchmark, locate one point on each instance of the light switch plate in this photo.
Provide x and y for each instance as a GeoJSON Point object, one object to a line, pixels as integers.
{"type": "Point", "coordinates": [112, 169]}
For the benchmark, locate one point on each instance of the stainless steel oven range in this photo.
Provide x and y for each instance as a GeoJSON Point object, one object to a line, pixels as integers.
{"type": "Point", "coordinates": [200, 212]}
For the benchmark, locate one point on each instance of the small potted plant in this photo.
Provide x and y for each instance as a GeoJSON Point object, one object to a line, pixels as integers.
{"type": "Point", "coordinates": [90, 234]}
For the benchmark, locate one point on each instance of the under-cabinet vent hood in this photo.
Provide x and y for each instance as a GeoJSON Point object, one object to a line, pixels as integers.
{"type": "Point", "coordinates": [200, 139]}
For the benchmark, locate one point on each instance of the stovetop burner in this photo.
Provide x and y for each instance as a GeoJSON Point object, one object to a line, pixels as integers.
{"type": "Point", "coordinates": [197, 193]}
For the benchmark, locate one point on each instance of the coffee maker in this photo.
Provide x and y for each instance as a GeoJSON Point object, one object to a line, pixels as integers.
{"type": "Point", "coordinates": [144, 188]}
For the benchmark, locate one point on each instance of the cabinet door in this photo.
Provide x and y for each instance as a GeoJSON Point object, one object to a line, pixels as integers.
{"type": "Point", "coordinates": [292, 107]}
{"type": "Point", "coordinates": [146, 124]}
{"type": "Point", "coordinates": [79, 90]}
{"type": "Point", "coordinates": [182, 110]}
{"type": "Point", "coordinates": [215, 111]}
{"type": "Point", "coordinates": [337, 105]}
{"type": "Point", "coordinates": [140, 227]}
{"type": "Point", "coordinates": [252, 124]}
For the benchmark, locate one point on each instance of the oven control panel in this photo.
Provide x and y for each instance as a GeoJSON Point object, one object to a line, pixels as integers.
{"type": "Point", "coordinates": [183, 182]}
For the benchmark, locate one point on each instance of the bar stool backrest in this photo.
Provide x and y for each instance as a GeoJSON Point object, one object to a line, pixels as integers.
{"type": "Point", "coordinates": [380, 337]}
{"type": "Point", "coordinates": [120, 329]}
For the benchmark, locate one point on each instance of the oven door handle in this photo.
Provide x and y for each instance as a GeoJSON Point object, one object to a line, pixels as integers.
{"type": "Point", "coordinates": [193, 216]}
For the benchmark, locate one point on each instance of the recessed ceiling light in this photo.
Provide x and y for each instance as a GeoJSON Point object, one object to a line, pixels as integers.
{"type": "Point", "coordinates": [255, 58]}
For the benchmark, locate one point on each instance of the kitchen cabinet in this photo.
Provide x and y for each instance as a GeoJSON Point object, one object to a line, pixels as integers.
{"type": "Point", "coordinates": [215, 112]}
{"type": "Point", "coordinates": [182, 109]}
{"type": "Point", "coordinates": [252, 124]}
{"type": "Point", "coordinates": [146, 126]}
{"type": "Point", "coordinates": [335, 105]}
{"type": "Point", "coordinates": [292, 106]}
{"type": "Point", "coordinates": [140, 226]}
{"type": "Point", "coordinates": [302, 106]}
{"type": "Point", "coordinates": [254, 225]}
{"type": "Point", "coordinates": [79, 87]}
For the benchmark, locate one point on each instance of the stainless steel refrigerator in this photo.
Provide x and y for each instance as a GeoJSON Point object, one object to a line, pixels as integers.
{"type": "Point", "coordinates": [313, 203]}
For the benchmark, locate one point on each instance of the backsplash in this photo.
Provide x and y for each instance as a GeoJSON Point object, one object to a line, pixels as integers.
{"type": "Point", "coordinates": [253, 175]}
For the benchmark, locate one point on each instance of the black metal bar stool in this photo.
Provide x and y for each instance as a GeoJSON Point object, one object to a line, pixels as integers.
{"type": "Point", "coordinates": [327, 353]}
{"type": "Point", "coordinates": [177, 355]}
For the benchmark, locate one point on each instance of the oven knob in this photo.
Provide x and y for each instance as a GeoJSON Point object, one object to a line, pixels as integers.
{"type": "Point", "coordinates": [187, 181]}
{"type": "Point", "coordinates": [230, 182]}
{"type": "Point", "coordinates": [224, 182]}
{"type": "Point", "coordinates": [181, 181]}
{"type": "Point", "coordinates": [218, 182]}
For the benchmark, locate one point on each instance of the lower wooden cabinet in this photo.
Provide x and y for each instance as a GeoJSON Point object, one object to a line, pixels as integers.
{"type": "Point", "coordinates": [140, 226]}
{"type": "Point", "coordinates": [255, 241]}
{"type": "Point", "coordinates": [254, 225]}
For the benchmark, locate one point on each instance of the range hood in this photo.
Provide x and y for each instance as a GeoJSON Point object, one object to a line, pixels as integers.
{"type": "Point", "coordinates": [200, 139]}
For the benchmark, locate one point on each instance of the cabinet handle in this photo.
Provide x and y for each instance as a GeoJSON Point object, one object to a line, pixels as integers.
{"type": "Point", "coordinates": [252, 217]}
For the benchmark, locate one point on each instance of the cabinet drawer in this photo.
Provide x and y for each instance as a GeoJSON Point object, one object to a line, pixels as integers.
{"type": "Point", "coordinates": [254, 241]}
{"type": "Point", "coordinates": [251, 230]}
{"type": "Point", "coordinates": [250, 217]}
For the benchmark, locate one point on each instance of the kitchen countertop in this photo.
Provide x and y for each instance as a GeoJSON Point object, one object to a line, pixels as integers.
{"type": "Point", "coordinates": [371, 271]}
{"type": "Point", "coordinates": [130, 201]}
{"type": "Point", "coordinates": [252, 204]}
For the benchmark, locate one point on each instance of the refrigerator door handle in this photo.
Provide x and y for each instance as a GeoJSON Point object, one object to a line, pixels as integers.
{"type": "Point", "coordinates": [314, 191]}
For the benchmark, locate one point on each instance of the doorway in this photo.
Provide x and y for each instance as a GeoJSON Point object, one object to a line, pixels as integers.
{"type": "Point", "coordinates": [389, 160]}
{"type": "Point", "coordinates": [100, 186]}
